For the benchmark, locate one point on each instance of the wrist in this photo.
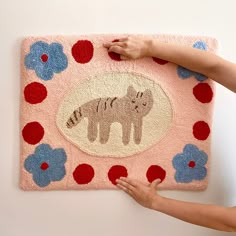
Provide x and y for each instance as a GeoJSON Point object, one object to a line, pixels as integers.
{"type": "Point", "coordinates": [157, 203]}
{"type": "Point", "coordinates": [148, 45]}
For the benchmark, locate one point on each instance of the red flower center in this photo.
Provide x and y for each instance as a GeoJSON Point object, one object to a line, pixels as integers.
{"type": "Point", "coordinates": [44, 166]}
{"type": "Point", "coordinates": [44, 58]}
{"type": "Point", "coordinates": [191, 164]}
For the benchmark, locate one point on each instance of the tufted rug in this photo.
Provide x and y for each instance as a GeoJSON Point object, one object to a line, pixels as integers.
{"type": "Point", "coordinates": [87, 117]}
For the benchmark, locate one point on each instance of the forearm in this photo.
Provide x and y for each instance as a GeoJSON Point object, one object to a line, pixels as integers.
{"type": "Point", "coordinates": [211, 216]}
{"type": "Point", "coordinates": [204, 62]}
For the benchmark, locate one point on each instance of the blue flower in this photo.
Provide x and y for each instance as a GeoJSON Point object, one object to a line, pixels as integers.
{"type": "Point", "coordinates": [184, 73]}
{"type": "Point", "coordinates": [46, 59]}
{"type": "Point", "coordinates": [46, 164]}
{"type": "Point", "coordinates": [190, 165]}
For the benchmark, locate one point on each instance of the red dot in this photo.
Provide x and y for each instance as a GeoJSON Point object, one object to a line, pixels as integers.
{"type": "Point", "coordinates": [82, 51]}
{"type": "Point", "coordinates": [83, 174]}
{"type": "Point", "coordinates": [35, 93]}
{"type": "Point", "coordinates": [191, 164]}
{"type": "Point", "coordinates": [44, 58]}
{"type": "Point", "coordinates": [33, 132]}
{"type": "Point", "coordinates": [44, 166]}
{"type": "Point", "coordinates": [113, 55]}
{"type": "Point", "coordinates": [203, 92]}
{"type": "Point", "coordinates": [155, 172]}
{"type": "Point", "coordinates": [201, 130]}
{"type": "Point", "coordinates": [116, 172]}
{"type": "Point", "coordinates": [159, 61]}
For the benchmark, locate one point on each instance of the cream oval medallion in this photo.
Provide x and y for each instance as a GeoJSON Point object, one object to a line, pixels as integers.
{"type": "Point", "coordinates": [115, 114]}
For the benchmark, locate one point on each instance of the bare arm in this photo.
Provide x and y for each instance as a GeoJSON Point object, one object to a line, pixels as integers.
{"type": "Point", "coordinates": [209, 64]}
{"type": "Point", "coordinates": [210, 216]}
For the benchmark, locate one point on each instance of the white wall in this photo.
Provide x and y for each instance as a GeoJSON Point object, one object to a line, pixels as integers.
{"type": "Point", "coordinates": [108, 213]}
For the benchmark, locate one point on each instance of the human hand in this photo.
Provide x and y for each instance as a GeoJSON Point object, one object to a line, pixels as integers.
{"type": "Point", "coordinates": [145, 195]}
{"type": "Point", "coordinates": [132, 47]}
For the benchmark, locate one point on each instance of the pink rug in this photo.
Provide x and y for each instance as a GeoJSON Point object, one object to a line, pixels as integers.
{"type": "Point", "coordinates": [88, 118]}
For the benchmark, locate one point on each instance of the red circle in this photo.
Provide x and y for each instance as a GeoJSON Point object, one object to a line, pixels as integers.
{"type": "Point", "coordinates": [159, 61]}
{"type": "Point", "coordinates": [35, 93]}
{"type": "Point", "coordinates": [33, 132]}
{"type": "Point", "coordinates": [155, 172]}
{"type": "Point", "coordinates": [116, 172]}
{"type": "Point", "coordinates": [82, 51]}
{"type": "Point", "coordinates": [83, 174]}
{"type": "Point", "coordinates": [201, 130]}
{"type": "Point", "coordinates": [44, 58]}
{"type": "Point", "coordinates": [113, 55]}
{"type": "Point", "coordinates": [44, 166]}
{"type": "Point", "coordinates": [191, 164]}
{"type": "Point", "coordinates": [203, 92]}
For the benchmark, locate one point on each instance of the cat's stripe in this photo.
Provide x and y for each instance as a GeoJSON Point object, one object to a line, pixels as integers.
{"type": "Point", "coordinates": [113, 101]}
{"type": "Point", "coordinates": [72, 121]}
{"type": "Point", "coordinates": [75, 115]}
{"type": "Point", "coordinates": [141, 94]}
{"type": "Point", "coordinates": [106, 103]}
{"type": "Point", "coordinates": [80, 112]}
{"type": "Point", "coordinates": [98, 104]}
{"type": "Point", "coordinates": [137, 95]}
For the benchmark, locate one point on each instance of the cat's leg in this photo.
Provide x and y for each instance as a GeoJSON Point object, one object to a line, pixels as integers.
{"type": "Point", "coordinates": [92, 130]}
{"type": "Point", "coordinates": [138, 126]}
{"type": "Point", "coordinates": [104, 131]}
{"type": "Point", "coordinates": [126, 129]}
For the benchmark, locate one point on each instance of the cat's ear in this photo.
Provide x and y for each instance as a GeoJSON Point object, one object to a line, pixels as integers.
{"type": "Point", "coordinates": [131, 91]}
{"type": "Point", "coordinates": [148, 93]}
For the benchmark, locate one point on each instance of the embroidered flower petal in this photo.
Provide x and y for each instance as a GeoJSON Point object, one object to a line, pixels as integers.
{"type": "Point", "coordinates": [199, 77]}
{"type": "Point", "coordinates": [60, 155]}
{"type": "Point", "coordinates": [31, 163]}
{"type": "Point", "coordinates": [183, 176]}
{"type": "Point", "coordinates": [59, 60]}
{"type": "Point", "coordinates": [183, 72]}
{"type": "Point", "coordinates": [44, 72]}
{"type": "Point", "coordinates": [58, 173]}
{"type": "Point", "coordinates": [43, 152]}
{"type": "Point", "coordinates": [41, 178]}
{"type": "Point", "coordinates": [39, 47]}
{"type": "Point", "coordinates": [199, 173]}
{"type": "Point", "coordinates": [200, 45]}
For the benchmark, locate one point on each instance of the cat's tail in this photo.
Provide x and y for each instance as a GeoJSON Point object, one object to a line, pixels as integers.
{"type": "Point", "coordinates": [75, 118]}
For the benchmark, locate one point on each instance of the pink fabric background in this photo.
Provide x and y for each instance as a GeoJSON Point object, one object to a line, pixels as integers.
{"type": "Point", "coordinates": [187, 110]}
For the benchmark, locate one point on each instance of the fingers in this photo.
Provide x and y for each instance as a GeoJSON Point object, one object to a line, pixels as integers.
{"type": "Point", "coordinates": [123, 39]}
{"type": "Point", "coordinates": [122, 57]}
{"type": "Point", "coordinates": [155, 183]}
{"type": "Point", "coordinates": [107, 45]}
{"type": "Point", "coordinates": [128, 191]}
{"type": "Point", "coordinates": [120, 42]}
{"type": "Point", "coordinates": [125, 184]}
{"type": "Point", "coordinates": [117, 49]}
{"type": "Point", "coordinates": [128, 188]}
{"type": "Point", "coordinates": [129, 181]}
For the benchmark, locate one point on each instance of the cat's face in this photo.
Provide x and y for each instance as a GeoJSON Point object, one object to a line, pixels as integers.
{"type": "Point", "coordinates": [140, 102]}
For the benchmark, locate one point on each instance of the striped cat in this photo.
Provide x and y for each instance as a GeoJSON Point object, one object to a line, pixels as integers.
{"type": "Point", "coordinates": [126, 110]}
